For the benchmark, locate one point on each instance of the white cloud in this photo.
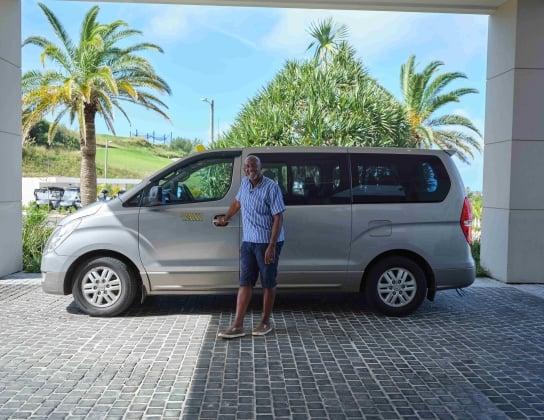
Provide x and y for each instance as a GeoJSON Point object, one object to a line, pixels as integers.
{"type": "Point", "coordinates": [168, 24]}
{"type": "Point", "coordinates": [451, 38]}
{"type": "Point", "coordinates": [454, 39]}
{"type": "Point", "coordinates": [376, 35]}
{"type": "Point", "coordinates": [233, 35]}
{"type": "Point", "coordinates": [174, 23]}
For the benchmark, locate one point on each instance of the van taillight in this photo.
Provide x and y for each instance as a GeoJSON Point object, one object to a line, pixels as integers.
{"type": "Point", "coordinates": [466, 220]}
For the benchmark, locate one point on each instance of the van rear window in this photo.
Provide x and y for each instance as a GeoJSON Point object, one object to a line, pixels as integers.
{"type": "Point", "coordinates": [392, 178]}
{"type": "Point", "coordinates": [329, 179]}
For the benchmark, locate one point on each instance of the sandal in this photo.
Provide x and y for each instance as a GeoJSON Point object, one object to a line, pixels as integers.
{"type": "Point", "coordinates": [262, 329]}
{"type": "Point", "coordinates": [232, 332]}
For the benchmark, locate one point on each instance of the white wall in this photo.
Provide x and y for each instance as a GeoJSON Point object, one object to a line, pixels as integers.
{"type": "Point", "coordinates": [10, 137]}
{"type": "Point", "coordinates": [513, 207]}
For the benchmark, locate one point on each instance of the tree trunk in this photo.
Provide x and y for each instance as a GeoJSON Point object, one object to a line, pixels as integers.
{"type": "Point", "coordinates": [88, 158]}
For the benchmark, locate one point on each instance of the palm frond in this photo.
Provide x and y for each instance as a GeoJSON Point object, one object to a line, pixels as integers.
{"type": "Point", "coordinates": [424, 94]}
{"type": "Point", "coordinates": [327, 37]}
{"type": "Point", "coordinates": [58, 29]}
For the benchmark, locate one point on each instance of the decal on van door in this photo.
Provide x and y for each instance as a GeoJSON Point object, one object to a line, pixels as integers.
{"type": "Point", "coordinates": [192, 217]}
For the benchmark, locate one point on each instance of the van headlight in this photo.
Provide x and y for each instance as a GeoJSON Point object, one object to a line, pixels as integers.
{"type": "Point", "coordinates": [60, 234]}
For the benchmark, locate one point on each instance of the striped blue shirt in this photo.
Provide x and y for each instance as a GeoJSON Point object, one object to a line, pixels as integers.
{"type": "Point", "coordinates": [258, 205]}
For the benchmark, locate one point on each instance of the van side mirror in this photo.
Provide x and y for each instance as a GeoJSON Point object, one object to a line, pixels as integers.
{"type": "Point", "coordinates": [155, 196]}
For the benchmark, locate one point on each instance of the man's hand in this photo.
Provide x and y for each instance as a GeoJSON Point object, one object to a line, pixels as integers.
{"type": "Point", "coordinates": [270, 254]}
{"type": "Point", "coordinates": [221, 221]}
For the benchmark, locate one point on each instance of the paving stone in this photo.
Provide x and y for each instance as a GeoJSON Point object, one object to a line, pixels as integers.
{"type": "Point", "coordinates": [480, 356]}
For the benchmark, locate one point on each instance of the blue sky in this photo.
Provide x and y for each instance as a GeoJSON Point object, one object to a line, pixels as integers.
{"type": "Point", "coordinates": [229, 53]}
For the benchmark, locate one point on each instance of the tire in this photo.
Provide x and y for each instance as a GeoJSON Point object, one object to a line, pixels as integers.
{"type": "Point", "coordinates": [396, 286]}
{"type": "Point", "coordinates": [103, 287]}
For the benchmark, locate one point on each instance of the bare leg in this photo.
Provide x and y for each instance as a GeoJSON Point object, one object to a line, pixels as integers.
{"type": "Point", "coordinates": [242, 302]}
{"type": "Point", "coordinates": [268, 304]}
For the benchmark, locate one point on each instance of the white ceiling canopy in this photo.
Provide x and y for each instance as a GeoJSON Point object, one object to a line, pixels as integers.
{"type": "Point", "coordinates": [441, 6]}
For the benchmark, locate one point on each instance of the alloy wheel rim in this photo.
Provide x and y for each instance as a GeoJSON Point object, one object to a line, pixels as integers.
{"type": "Point", "coordinates": [397, 287]}
{"type": "Point", "coordinates": [101, 287]}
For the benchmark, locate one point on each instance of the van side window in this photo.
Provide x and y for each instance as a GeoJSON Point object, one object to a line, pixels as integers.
{"type": "Point", "coordinates": [203, 180]}
{"type": "Point", "coordinates": [309, 178]}
{"type": "Point", "coordinates": [392, 178]}
{"type": "Point", "coordinates": [278, 174]}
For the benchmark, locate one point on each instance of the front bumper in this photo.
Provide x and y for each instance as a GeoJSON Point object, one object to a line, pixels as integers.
{"type": "Point", "coordinates": [53, 283]}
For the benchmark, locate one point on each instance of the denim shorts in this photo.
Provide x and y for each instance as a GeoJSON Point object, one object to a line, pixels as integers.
{"type": "Point", "coordinates": [252, 264]}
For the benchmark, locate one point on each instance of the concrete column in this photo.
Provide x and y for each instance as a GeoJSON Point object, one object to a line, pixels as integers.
{"type": "Point", "coordinates": [10, 137]}
{"type": "Point", "coordinates": [513, 188]}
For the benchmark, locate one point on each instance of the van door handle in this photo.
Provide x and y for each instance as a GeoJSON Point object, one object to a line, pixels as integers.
{"type": "Point", "coordinates": [216, 221]}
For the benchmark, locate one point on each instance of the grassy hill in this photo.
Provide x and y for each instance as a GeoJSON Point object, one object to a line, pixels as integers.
{"type": "Point", "coordinates": [128, 157]}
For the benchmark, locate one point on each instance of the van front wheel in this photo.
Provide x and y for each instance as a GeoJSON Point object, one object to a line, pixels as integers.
{"type": "Point", "coordinates": [396, 286]}
{"type": "Point", "coordinates": [103, 287]}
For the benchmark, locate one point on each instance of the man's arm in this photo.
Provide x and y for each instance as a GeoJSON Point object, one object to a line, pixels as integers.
{"type": "Point", "coordinates": [270, 253]}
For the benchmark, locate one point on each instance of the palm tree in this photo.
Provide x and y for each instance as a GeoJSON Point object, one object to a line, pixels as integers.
{"type": "Point", "coordinates": [328, 36]}
{"type": "Point", "coordinates": [422, 96]}
{"type": "Point", "coordinates": [92, 77]}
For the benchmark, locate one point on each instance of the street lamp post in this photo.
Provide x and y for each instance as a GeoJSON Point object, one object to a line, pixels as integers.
{"type": "Point", "coordinates": [106, 164]}
{"type": "Point", "coordinates": [211, 115]}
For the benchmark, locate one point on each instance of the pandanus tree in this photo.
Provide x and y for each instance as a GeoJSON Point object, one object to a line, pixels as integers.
{"type": "Point", "coordinates": [328, 39]}
{"type": "Point", "coordinates": [327, 100]}
{"type": "Point", "coordinates": [93, 77]}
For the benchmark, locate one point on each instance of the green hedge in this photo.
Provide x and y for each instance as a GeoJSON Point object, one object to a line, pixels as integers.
{"type": "Point", "coordinates": [36, 231]}
{"type": "Point", "coordinates": [475, 247]}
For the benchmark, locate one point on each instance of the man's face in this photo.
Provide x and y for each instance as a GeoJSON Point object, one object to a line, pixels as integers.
{"type": "Point", "coordinates": [253, 169]}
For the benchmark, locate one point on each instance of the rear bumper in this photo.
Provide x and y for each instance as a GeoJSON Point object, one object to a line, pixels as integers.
{"type": "Point", "coordinates": [455, 278]}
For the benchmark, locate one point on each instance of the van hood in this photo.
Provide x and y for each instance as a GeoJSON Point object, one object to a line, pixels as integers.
{"type": "Point", "coordinates": [86, 211]}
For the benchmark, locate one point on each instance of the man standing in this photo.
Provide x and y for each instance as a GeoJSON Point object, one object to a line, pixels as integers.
{"type": "Point", "coordinates": [262, 207]}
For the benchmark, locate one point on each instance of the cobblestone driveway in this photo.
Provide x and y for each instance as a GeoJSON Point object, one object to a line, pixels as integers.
{"type": "Point", "coordinates": [480, 355]}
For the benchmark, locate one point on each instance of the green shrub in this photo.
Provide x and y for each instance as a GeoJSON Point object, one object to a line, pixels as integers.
{"type": "Point", "coordinates": [64, 137]}
{"type": "Point", "coordinates": [475, 248]}
{"type": "Point", "coordinates": [36, 231]}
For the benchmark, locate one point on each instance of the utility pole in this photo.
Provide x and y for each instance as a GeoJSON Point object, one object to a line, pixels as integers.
{"type": "Point", "coordinates": [211, 116]}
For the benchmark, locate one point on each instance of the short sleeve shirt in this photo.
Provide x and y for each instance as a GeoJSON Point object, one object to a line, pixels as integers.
{"type": "Point", "coordinates": [258, 205]}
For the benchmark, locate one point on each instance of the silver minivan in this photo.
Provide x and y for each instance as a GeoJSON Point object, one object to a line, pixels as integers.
{"type": "Point", "coordinates": [393, 224]}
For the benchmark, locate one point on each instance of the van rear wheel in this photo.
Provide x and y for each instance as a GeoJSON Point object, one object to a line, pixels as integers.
{"type": "Point", "coordinates": [103, 287]}
{"type": "Point", "coordinates": [396, 286]}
